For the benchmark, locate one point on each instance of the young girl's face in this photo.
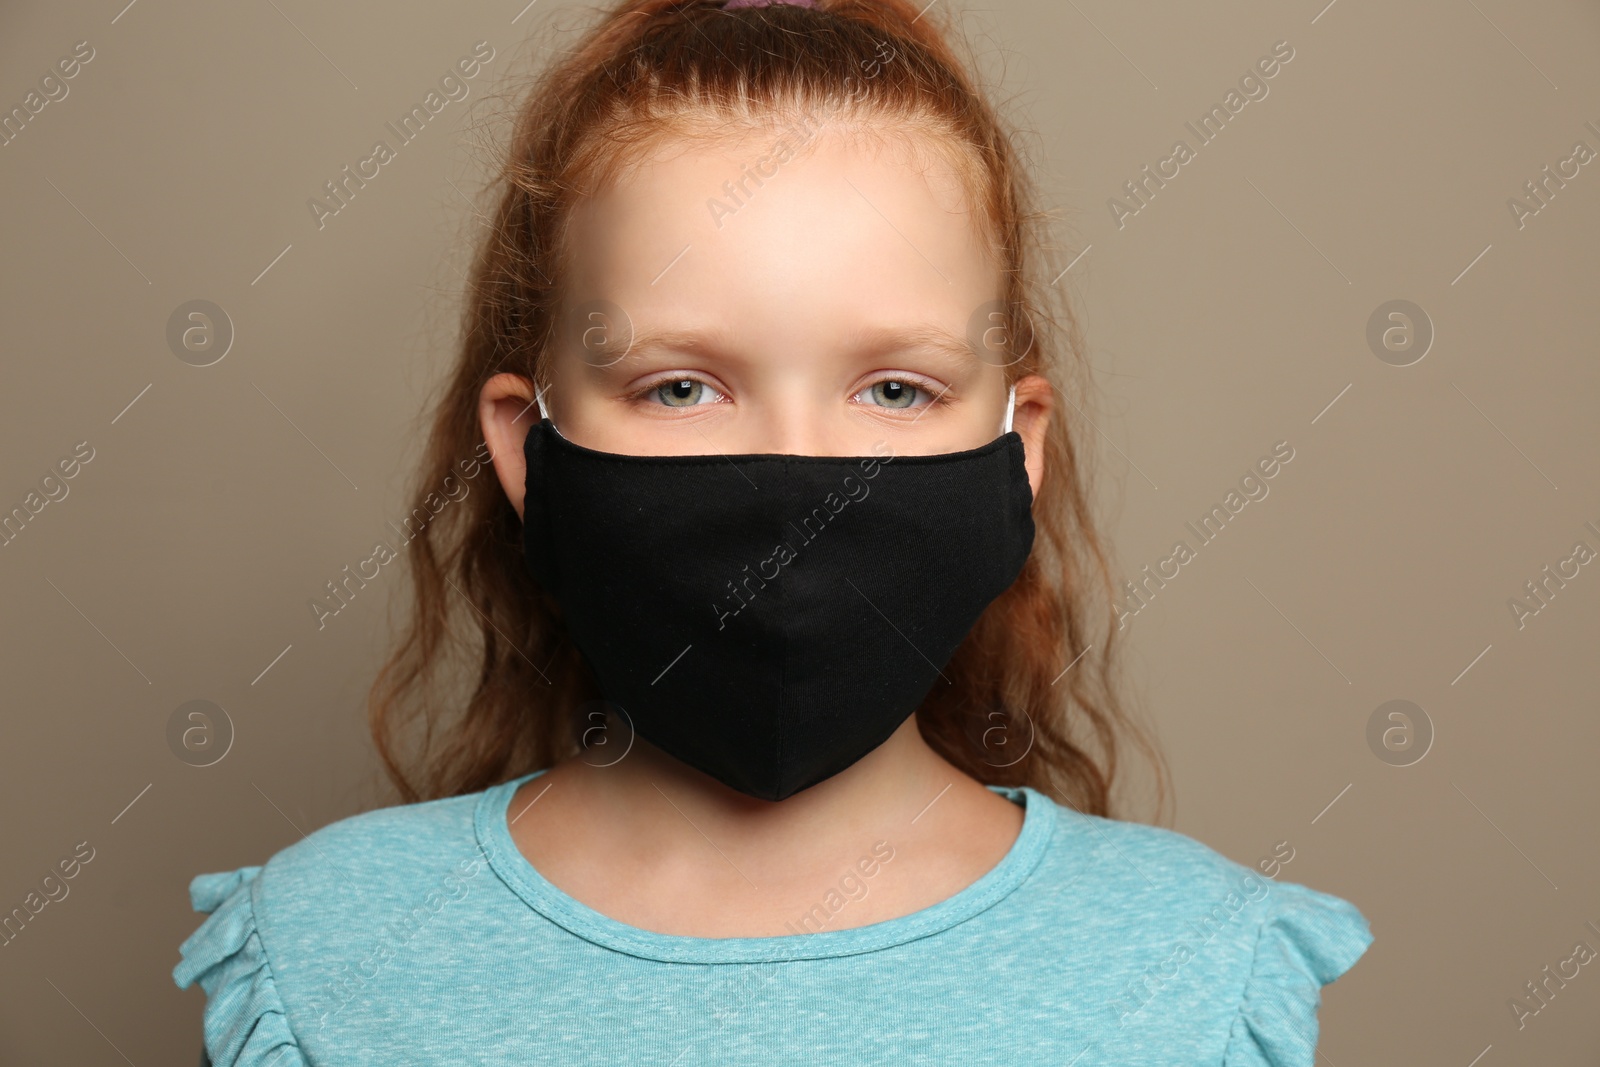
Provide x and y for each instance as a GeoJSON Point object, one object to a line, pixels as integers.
{"type": "Point", "coordinates": [813, 307]}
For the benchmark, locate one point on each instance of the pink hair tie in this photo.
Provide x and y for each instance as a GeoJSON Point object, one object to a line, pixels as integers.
{"type": "Point", "coordinates": [732, 4]}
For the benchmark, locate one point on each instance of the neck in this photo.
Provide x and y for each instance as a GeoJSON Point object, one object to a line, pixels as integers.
{"type": "Point", "coordinates": [667, 815]}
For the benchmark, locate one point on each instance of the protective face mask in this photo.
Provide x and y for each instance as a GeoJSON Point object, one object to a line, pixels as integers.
{"type": "Point", "coordinates": [770, 619]}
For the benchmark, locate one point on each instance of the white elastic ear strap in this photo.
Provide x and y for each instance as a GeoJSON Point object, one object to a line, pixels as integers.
{"type": "Point", "coordinates": [1011, 404]}
{"type": "Point", "coordinates": [544, 409]}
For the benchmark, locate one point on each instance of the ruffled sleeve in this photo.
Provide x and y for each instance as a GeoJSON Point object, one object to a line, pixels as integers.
{"type": "Point", "coordinates": [1308, 940]}
{"type": "Point", "coordinates": [244, 1019]}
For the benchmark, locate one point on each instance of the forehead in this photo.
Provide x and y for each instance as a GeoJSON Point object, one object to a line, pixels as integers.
{"type": "Point", "coordinates": [789, 231]}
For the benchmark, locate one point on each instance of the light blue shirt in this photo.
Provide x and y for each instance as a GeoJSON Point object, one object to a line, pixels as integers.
{"type": "Point", "coordinates": [419, 934]}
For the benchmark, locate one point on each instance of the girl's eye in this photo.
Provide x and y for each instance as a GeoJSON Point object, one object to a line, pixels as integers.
{"type": "Point", "coordinates": [894, 393]}
{"type": "Point", "coordinates": [681, 392]}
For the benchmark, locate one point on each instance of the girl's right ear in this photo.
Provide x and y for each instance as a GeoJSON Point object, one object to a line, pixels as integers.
{"type": "Point", "coordinates": [507, 411]}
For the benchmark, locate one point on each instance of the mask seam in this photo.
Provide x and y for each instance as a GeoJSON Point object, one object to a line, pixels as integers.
{"type": "Point", "coordinates": [783, 660]}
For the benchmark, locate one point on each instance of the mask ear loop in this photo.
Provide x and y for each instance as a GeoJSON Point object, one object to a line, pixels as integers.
{"type": "Point", "coordinates": [1011, 404]}
{"type": "Point", "coordinates": [544, 409]}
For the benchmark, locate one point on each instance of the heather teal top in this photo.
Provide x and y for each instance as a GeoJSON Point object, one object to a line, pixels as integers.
{"type": "Point", "coordinates": [419, 934]}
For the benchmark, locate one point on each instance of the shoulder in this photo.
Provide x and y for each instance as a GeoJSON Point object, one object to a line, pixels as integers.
{"type": "Point", "coordinates": [1237, 943]}
{"type": "Point", "coordinates": [375, 848]}
{"type": "Point", "coordinates": [1151, 866]}
{"type": "Point", "coordinates": [329, 882]}
{"type": "Point", "coordinates": [314, 899]}
{"type": "Point", "coordinates": [1161, 869]}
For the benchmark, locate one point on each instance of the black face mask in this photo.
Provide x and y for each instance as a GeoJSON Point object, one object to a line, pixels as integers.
{"type": "Point", "coordinates": [770, 619]}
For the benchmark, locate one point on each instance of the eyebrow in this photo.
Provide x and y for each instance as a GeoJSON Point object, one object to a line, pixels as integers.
{"type": "Point", "coordinates": [708, 342]}
{"type": "Point", "coordinates": [928, 337]}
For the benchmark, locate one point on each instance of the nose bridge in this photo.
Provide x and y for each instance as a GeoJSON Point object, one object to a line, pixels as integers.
{"type": "Point", "coordinates": [799, 429]}
{"type": "Point", "coordinates": [793, 413]}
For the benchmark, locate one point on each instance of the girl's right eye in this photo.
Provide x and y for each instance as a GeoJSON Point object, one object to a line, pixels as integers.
{"type": "Point", "coordinates": [679, 392]}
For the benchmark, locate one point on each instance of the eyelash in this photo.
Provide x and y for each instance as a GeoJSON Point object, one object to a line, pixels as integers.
{"type": "Point", "coordinates": [936, 396]}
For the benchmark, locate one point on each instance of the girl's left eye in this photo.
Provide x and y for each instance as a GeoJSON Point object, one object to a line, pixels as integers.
{"type": "Point", "coordinates": [896, 393]}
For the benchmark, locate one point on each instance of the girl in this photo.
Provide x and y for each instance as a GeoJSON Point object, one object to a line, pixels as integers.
{"type": "Point", "coordinates": [791, 731]}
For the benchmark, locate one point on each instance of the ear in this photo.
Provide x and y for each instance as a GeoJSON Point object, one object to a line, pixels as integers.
{"type": "Point", "coordinates": [506, 412]}
{"type": "Point", "coordinates": [1035, 402]}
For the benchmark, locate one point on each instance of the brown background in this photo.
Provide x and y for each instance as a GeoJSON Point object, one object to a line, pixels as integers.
{"type": "Point", "coordinates": [1227, 315]}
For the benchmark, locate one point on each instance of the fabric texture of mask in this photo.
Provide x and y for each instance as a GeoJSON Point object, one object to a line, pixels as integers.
{"type": "Point", "coordinates": [770, 619]}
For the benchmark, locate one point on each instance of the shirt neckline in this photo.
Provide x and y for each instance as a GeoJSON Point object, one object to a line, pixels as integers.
{"type": "Point", "coordinates": [494, 838]}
